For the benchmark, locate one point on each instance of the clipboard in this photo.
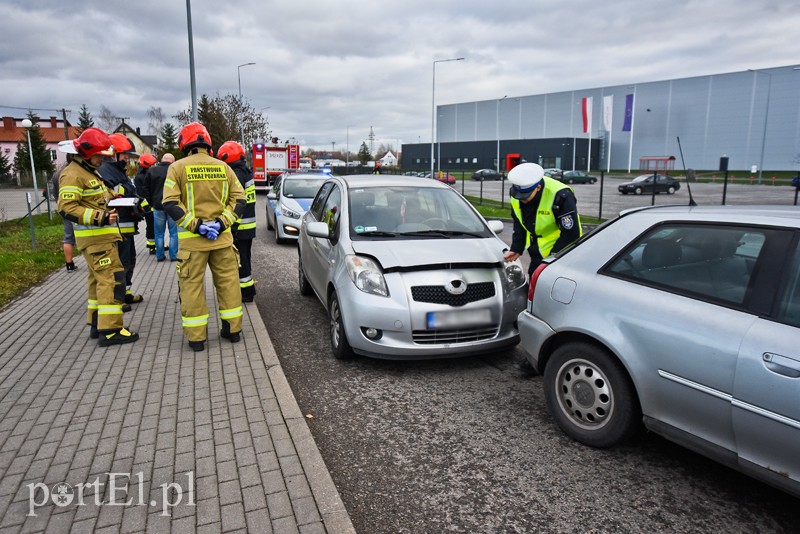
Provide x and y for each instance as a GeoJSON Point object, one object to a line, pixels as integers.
{"type": "Point", "coordinates": [123, 202]}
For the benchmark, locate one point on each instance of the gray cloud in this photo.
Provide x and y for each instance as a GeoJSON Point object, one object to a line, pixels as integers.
{"type": "Point", "coordinates": [322, 66]}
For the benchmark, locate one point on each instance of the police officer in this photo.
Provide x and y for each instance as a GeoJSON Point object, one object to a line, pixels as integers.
{"type": "Point", "coordinates": [204, 196]}
{"type": "Point", "coordinates": [244, 230]}
{"type": "Point", "coordinates": [145, 162]}
{"type": "Point", "coordinates": [83, 199]}
{"type": "Point", "coordinates": [544, 212]}
{"type": "Point", "coordinates": [113, 171]}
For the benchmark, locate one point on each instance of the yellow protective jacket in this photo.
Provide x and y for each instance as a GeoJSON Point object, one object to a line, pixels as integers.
{"type": "Point", "coordinates": [83, 199]}
{"type": "Point", "coordinates": [200, 188]}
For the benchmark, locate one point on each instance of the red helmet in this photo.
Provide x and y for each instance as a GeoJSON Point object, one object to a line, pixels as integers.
{"type": "Point", "coordinates": [230, 151]}
{"type": "Point", "coordinates": [147, 160]}
{"type": "Point", "coordinates": [193, 135]}
{"type": "Point", "coordinates": [122, 145]}
{"type": "Point", "coordinates": [92, 141]}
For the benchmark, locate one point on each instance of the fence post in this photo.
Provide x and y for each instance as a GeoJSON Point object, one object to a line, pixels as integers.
{"type": "Point", "coordinates": [30, 218]}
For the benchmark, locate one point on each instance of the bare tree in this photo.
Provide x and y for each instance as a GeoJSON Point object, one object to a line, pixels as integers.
{"type": "Point", "coordinates": [155, 120]}
{"type": "Point", "coordinates": [107, 120]}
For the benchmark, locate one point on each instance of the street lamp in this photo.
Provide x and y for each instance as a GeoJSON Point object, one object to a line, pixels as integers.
{"type": "Point", "coordinates": [239, 75]}
{"type": "Point", "coordinates": [27, 124]}
{"type": "Point", "coordinates": [766, 116]}
{"type": "Point", "coordinates": [433, 104]}
{"type": "Point", "coordinates": [347, 149]}
{"type": "Point", "coordinates": [497, 129]}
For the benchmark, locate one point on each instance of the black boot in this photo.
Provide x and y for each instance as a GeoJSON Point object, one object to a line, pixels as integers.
{"type": "Point", "coordinates": [225, 332]}
{"type": "Point", "coordinates": [93, 334]}
{"type": "Point", "coordinates": [197, 346]}
{"type": "Point", "coordinates": [117, 337]}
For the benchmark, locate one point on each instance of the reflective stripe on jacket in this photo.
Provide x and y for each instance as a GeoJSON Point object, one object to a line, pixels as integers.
{"type": "Point", "coordinates": [83, 199]}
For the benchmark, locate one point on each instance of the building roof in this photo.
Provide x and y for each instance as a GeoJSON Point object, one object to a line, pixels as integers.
{"type": "Point", "coordinates": [52, 130]}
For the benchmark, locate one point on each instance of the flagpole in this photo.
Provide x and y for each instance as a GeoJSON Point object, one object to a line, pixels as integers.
{"type": "Point", "coordinates": [608, 166]}
{"type": "Point", "coordinates": [633, 117]}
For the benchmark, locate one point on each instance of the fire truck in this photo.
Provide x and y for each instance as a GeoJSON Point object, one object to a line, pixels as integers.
{"type": "Point", "coordinates": [272, 159]}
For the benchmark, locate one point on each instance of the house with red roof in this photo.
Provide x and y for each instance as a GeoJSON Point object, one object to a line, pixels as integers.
{"type": "Point", "coordinates": [53, 130]}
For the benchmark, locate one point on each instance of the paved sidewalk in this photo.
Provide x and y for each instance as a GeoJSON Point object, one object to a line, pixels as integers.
{"type": "Point", "coordinates": [216, 435]}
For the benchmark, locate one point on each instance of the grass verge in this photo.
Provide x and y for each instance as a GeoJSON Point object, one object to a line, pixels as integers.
{"type": "Point", "coordinates": [21, 267]}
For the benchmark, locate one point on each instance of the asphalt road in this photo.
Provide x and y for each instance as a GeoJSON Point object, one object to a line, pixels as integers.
{"type": "Point", "coordinates": [466, 445]}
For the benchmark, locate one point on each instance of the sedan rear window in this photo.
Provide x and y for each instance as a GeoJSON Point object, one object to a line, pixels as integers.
{"type": "Point", "coordinates": [715, 262]}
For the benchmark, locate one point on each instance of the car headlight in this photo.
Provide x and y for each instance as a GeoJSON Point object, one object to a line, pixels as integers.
{"type": "Point", "coordinates": [366, 275]}
{"type": "Point", "coordinates": [515, 275]}
{"type": "Point", "coordinates": [289, 213]}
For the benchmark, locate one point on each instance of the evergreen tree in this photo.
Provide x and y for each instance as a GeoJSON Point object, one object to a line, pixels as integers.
{"type": "Point", "coordinates": [42, 158]}
{"type": "Point", "coordinates": [85, 120]}
{"type": "Point", "coordinates": [363, 154]}
{"type": "Point", "coordinates": [168, 141]}
{"type": "Point", "coordinates": [5, 167]}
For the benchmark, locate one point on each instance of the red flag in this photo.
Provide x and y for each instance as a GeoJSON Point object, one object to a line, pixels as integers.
{"type": "Point", "coordinates": [586, 106]}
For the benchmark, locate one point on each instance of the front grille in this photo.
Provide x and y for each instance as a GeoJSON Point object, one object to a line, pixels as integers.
{"type": "Point", "coordinates": [453, 335]}
{"type": "Point", "coordinates": [439, 295]}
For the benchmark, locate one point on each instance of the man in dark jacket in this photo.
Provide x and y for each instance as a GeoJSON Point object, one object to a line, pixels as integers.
{"type": "Point", "coordinates": [145, 162]}
{"type": "Point", "coordinates": [244, 231]}
{"type": "Point", "coordinates": [153, 188]}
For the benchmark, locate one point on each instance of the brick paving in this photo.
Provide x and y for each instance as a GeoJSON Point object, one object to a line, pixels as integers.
{"type": "Point", "coordinates": [217, 435]}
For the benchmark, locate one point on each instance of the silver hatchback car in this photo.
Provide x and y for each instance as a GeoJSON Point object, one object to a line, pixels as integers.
{"type": "Point", "coordinates": [408, 269]}
{"type": "Point", "coordinates": [288, 201]}
{"type": "Point", "coordinates": [686, 319]}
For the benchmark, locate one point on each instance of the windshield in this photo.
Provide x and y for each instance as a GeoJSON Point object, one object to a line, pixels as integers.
{"type": "Point", "coordinates": [302, 187]}
{"type": "Point", "coordinates": [643, 178]}
{"type": "Point", "coordinates": [412, 212]}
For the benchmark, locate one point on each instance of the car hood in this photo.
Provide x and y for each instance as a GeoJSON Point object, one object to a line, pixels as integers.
{"type": "Point", "coordinates": [393, 253]}
{"type": "Point", "coordinates": [297, 204]}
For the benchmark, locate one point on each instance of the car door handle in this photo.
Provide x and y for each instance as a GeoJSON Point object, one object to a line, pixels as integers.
{"type": "Point", "coordinates": [782, 365]}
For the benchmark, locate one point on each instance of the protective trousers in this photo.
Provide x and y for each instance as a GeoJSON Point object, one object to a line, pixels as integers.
{"type": "Point", "coordinates": [224, 264]}
{"type": "Point", "coordinates": [246, 282]}
{"type": "Point", "coordinates": [106, 286]}
{"type": "Point", "coordinates": [150, 232]}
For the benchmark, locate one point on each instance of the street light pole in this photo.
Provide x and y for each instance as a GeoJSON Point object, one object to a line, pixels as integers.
{"type": "Point", "coordinates": [27, 124]}
{"type": "Point", "coordinates": [239, 75]}
{"type": "Point", "coordinates": [433, 104]}
{"type": "Point", "coordinates": [766, 117]}
{"type": "Point", "coordinates": [347, 149]}
{"type": "Point", "coordinates": [497, 129]}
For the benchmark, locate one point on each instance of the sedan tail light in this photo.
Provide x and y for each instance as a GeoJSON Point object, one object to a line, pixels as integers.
{"type": "Point", "coordinates": [534, 278]}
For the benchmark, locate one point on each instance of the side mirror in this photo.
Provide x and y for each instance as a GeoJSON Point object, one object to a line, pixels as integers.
{"type": "Point", "coordinates": [496, 226]}
{"type": "Point", "coordinates": [318, 229]}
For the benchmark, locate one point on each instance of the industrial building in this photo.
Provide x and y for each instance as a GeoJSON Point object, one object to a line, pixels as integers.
{"type": "Point", "coordinates": [751, 117]}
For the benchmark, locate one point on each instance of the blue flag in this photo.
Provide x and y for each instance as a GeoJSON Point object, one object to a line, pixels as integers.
{"type": "Point", "coordinates": [626, 126]}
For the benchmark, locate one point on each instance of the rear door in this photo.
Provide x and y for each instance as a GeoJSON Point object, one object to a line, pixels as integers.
{"type": "Point", "coordinates": [766, 400]}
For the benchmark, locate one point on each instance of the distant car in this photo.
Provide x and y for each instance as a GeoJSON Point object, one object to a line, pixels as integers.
{"type": "Point", "coordinates": [681, 319]}
{"type": "Point", "coordinates": [554, 173]}
{"type": "Point", "coordinates": [577, 177]}
{"type": "Point", "coordinates": [443, 177]}
{"type": "Point", "coordinates": [408, 269]}
{"type": "Point", "coordinates": [644, 184]}
{"type": "Point", "coordinates": [487, 174]}
{"type": "Point", "coordinates": [288, 201]}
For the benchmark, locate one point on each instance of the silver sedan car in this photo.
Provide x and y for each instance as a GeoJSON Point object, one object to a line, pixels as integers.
{"type": "Point", "coordinates": [408, 269]}
{"type": "Point", "coordinates": [685, 319]}
{"type": "Point", "coordinates": [288, 201]}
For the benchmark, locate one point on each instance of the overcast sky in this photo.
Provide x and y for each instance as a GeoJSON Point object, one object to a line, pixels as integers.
{"type": "Point", "coordinates": [324, 65]}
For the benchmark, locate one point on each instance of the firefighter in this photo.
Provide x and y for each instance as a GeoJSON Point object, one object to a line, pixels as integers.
{"type": "Point", "coordinates": [145, 162]}
{"type": "Point", "coordinates": [244, 230]}
{"type": "Point", "coordinates": [113, 172]}
{"type": "Point", "coordinates": [203, 195]}
{"type": "Point", "coordinates": [83, 199]}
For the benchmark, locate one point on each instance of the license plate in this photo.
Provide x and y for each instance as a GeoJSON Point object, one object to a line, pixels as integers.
{"type": "Point", "coordinates": [456, 318]}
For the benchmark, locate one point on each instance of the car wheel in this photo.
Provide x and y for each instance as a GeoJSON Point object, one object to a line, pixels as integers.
{"type": "Point", "coordinates": [570, 181]}
{"type": "Point", "coordinates": [302, 281]}
{"type": "Point", "coordinates": [590, 395]}
{"type": "Point", "coordinates": [637, 191]}
{"type": "Point", "coordinates": [670, 190]}
{"type": "Point", "coordinates": [269, 223]}
{"type": "Point", "coordinates": [339, 345]}
{"type": "Point", "coordinates": [592, 181]}
{"type": "Point", "coordinates": [278, 239]}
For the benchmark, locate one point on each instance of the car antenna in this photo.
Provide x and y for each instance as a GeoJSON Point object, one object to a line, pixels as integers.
{"type": "Point", "coordinates": [688, 187]}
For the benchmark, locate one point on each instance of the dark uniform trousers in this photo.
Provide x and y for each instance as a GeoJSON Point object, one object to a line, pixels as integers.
{"type": "Point", "coordinates": [106, 286]}
{"type": "Point", "coordinates": [224, 264]}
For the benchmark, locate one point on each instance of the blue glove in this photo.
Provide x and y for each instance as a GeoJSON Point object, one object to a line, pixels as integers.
{"type": "Point", "coordinates": [209, 230]}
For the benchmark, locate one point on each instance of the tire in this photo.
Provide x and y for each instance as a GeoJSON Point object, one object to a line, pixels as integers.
{"type": "Point", "coordinates": [269, 223]}
{"type": "Point", "coordinates": [570, 181]}
{"type": "Point", "coordinates": [339, 345]}
{"type": "Point", "coordinates": [592, 181]}
{"type": "Point", "coordinates": [278, 239]}
{"type": "Point", "coordinates": [302, 281]}
{"type": "Point", "coordinates": [637, 191]}
{"type": "Point", "coordinates": [591, 396]}
{"type": "Point", "coordinates": [670, 190]}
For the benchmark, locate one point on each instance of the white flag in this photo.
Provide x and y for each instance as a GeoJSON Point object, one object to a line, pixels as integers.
{"type": "Point", "coordinates": [608, 111]}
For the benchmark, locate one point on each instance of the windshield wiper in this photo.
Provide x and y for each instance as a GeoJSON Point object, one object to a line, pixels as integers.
{"type": "Point", "coordinates": [377, 233]}
{"type": "Point", "coordinates": [444, 233]}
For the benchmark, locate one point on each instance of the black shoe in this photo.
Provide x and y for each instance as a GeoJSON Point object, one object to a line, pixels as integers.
{"type": "Point", "coordinates": [126, 308]}
{"type": "Point", "coordinates": [93, 333]}
{"type": "Point", "coordinates": [152, 251]}
{"type": "Point", "coordinates": [197, 346]}
{"type": "Point", "coordinates": [117, 337]}
{"type": "Point", "coordinates": [233, 338]}
{"type": "Point", "coordinates": [130, 298]}
{"type": "Point", "coordinates": [71, 267]}
{"type": "Point", "coordinates": [160, 259]}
